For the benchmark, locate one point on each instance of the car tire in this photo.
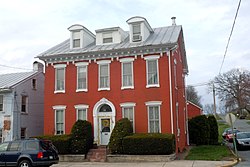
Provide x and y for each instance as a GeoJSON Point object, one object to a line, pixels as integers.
{"type": "Point", "coordinates": [24, 163]}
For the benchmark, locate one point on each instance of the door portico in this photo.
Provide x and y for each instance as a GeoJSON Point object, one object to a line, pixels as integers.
{"type": "Point", "coordinates": [104, 121]}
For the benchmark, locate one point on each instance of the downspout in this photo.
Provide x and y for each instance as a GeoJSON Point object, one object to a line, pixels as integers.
{"type": "Point", "coordinates": [170, 91]}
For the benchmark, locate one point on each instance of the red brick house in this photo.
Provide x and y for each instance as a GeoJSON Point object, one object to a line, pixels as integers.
{"type": "Point", "coordinates": [103, 77]}
{"type": "Point", "coordinates": [193, 110]}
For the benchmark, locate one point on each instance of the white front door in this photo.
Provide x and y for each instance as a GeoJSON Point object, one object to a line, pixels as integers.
{"type": "Point", "coordinates": [105, 130]}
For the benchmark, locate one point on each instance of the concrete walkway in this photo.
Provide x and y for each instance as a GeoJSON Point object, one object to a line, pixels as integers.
{"type": "Point", "coordinates": [176, 163]}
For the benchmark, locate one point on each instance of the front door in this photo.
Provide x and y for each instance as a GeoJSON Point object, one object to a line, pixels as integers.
{"type": "Point", "coordinates": [105, 131]}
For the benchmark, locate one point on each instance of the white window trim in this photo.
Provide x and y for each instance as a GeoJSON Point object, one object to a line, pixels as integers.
{"type": "Point", "coordinates": [82, 64]}
{"type": "Point", "coordinates": [152, 57]}
{"type": "Point", "coordinates": [127, 60]}
{"type": "Point", "coordinates": [59, 107]}
{"type": "Point", "coordinates": [79, 107]}
{"type": "Point", "coordinates": [127, 105]}
{"type": "Point", "coordinates": [103, 62]}
{"type": "Point", "coordinates": [57, 66]}
{"type": "Point", "coordinates": [153, 104]}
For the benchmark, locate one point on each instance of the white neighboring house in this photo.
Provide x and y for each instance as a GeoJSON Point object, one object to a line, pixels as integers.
{"type": "Point", "coordinates": [22, 104]}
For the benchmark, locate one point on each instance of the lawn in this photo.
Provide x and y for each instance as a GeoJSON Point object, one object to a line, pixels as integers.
{"type": "Point", "coordinates": [210, 152]}
{"type": "Point", "coordinates": [248, 122]}
{"type": "Point", "coordinates": [221, 127]}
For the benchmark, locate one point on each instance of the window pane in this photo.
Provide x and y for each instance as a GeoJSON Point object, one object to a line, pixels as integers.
{"type": "Point", "coordinates": [82, 77]}
{"type": "Point", "coordinates": [82, 114]}
{"type": "Point", "coordinates": [59, 122]}
{"type": "Point", "coordinates": [60, 79]}
{"type": "Point", "coordinates": [104, 76]}
{"type": "Point", "coordinates": [152, 72]}
{"type": "Point", "coordinates": [127, 74]}
{"type": "Point", "coordinates": [24, 104]}
{"type": "Point", "coordinates": [154, 119]}
{"type": "Point", "coordinates": [136, 29]}
{"type": "Point", "coordinates": [1, 102]}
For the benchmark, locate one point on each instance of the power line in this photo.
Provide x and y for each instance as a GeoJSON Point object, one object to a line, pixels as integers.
{"type": "Point", "coordinates": [19, 68]}
{"type": "Point", "coordinates": [230, 36]}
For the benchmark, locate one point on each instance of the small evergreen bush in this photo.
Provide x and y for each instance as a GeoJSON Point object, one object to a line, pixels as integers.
{"type": "Point", "coordinates": [149, 144]}
{"type": "Point", "coordinates": [213, 140]}
{"type": "Point", "coordinates": [122, 129]}
{"type": "Point", "coordinates": [81, 137]}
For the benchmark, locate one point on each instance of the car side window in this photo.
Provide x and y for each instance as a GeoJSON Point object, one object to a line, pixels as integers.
{"type": "Point", "coordinates": [3, 147]}
{"type": "Point", "coordinates": [14, 146]}
{"type": "Point", "coordinates": [32, 145]}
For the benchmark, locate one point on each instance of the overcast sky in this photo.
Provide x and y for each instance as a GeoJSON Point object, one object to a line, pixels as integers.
{"type": "Point", "coordinates": [29, 27]}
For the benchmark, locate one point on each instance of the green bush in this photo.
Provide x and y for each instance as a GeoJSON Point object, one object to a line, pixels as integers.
{"type": "Point", "coordinates": [213, 137]}
{"type": "Point", "coordinates": [149, 144]}
{"type": "Point", "coordinates": [81, 137]}
{"type": "Point", "coordinates": [122, 129]}
{"type": "Point", "coordinates": [61, 142]}
{"type": "Point", "coordinates": [199, 130]}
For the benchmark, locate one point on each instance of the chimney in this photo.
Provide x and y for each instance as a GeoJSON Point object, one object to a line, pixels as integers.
{"type": "Point", "coordinates": [37, 66]}
{"type": "Point", "coordinates": [173, 21]}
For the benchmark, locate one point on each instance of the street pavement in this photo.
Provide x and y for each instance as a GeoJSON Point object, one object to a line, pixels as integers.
{"type": "Point", "coordinates": [176, 163]}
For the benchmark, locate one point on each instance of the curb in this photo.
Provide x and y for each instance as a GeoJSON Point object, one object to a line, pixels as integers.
{"type": "Point", "coordinates": [235, 161]}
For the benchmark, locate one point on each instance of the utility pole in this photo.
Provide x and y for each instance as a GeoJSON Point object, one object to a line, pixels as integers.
{"type": "Point", "coordinates": [214, 100]}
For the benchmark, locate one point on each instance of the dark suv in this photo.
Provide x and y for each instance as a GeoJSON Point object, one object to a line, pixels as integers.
{"type": "Point", "coordinates": [28, 153]}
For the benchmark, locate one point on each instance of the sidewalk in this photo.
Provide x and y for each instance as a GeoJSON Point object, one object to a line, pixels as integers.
{"type": "Point", "coordinates": [176, 163]}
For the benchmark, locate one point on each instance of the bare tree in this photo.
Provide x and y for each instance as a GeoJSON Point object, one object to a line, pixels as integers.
{"type": "Point", "coordinates": [209, 109]}
{"type": "Point", "coordinates": [192, 96]}
{"type": "Point", "coordinates": [233, 87]}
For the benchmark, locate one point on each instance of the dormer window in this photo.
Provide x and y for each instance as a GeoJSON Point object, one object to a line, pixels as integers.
{"type": "Point", "coordinates": [76, 39]}
{"type": "Point", "coordinates": [107, 37]}
{"type": "Point", "coordinates": [136, 32]}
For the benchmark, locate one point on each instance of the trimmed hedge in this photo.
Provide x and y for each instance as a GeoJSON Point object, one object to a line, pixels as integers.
{"type": "Point", "coordinates": [61, 142]}
{"type": "Point", "coordinates": [149, 144]}
{"type": "Point", "coordinates": [199, 130]}
{"type": "Point", "coordinates": [81, 137]}
{"type": "Point", "coordinates": [213, 137]}
{"type": "Point", "coordinates": [122, 129]}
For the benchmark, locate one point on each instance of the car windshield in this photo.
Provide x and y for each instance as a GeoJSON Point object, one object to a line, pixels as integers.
{"type": "Point", "coordinates": [234, 131]}
{"type": "Point", "coordinates": [243, 135]}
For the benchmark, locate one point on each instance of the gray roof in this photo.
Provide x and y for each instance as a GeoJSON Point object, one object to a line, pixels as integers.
{"type": "Point", "coordinates": [10, 80]}
{"type": "Point", "coordinates": [161, 36]}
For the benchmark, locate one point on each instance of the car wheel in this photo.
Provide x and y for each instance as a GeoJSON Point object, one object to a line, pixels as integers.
{"type": "Point", "coordinates": [24, 163]}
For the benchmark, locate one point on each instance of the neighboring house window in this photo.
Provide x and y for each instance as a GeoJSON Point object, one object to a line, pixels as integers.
{"type": "Point", "coordinates": [104, 75]}
{"type": "Point", "coordinates": [154, 119]}
{"type": "Point", "coordinates": [136, 28]}
{"type": "Point", "coordinates": [127, 73]}
{"type": "Point", "coordinates": [24, 107]}
{"type": "Point", "coordinates": [1, 103]}
{"type": "Point", "coordinates": [76, 39]}
{"type": "Point", "coordinates": [59, 119]}
{"type": "Point", "coordinates": [107, 38]}
{"type": "Point", "coordinates": [60, 78]}
{"type": "Point", "coordinates": [82, 74]}
{"type": "Point", "coordinates": [1, 135]}
{"type": "Point", "coordinates": [128, 112]}
{"type": "Point", "coordinates": [81, 111]}
{"type": "Point", "coordinates": [152, 69]}
{"type": "Point", "coordinates": [175, 73]}
{"type": "Point", "coordinates": [23, 133]}
{"type": "Point", "coordinates": [34, 84]}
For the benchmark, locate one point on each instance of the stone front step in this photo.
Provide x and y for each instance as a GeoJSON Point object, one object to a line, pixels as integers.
{"type": "Point", "coordinates": [98, 154]}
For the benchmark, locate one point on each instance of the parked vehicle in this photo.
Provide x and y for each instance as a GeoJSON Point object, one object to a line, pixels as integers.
{"type": "Point", "coordinates": [225, 133]}
{"type": "Point", "coordinates": [28, 153]}
{"type": "Point", "coordinates": [242, 140]}
{"type": "Point", "coordinates": [230, 133]}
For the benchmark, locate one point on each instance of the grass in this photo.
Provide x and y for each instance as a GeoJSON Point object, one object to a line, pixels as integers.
{"type": "Point", "coordinates": [221, 127]}
{"type": "Point", "coordinates": [210, 153]}
{"type": "Point", "coordinates": [248, 122]}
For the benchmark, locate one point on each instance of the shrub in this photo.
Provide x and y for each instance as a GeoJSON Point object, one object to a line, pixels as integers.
{"type": "Point", "coordinates": [199, 130]}
{"type": "Point", "coordinates": [81, 137]}
{"type": "Point", "coordinates": [213, 137]}
{"type": "Point", "coordinates": [122, 129]}
{"type": "Point", "coordinates": [61, 142]}
{"type": "Point", "coordinates": [149, 144]}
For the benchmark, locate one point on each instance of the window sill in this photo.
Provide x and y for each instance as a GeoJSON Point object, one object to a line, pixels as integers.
{"type": "Point", "coordinates": [127, 87]}
{"type": "Point", "coordinates": [24, 113]}
{"type": "Point", "coordinates": [59, 91]}
{"type": "Point", "coordinates": [81, 90]}
{"type": "Point", "coordinates": [153, 86]}
{"type": "Point", "coordinates": [101, 89]}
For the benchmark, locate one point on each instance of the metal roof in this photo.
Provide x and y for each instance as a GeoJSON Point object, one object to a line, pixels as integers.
{"type": "Point", "coordinates": [161, 36]}
{"type": "Point", "coordinates": [10, 80]}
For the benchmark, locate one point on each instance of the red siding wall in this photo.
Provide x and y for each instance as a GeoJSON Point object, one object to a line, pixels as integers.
{"type": "Point", "coordinates": [193, 110]}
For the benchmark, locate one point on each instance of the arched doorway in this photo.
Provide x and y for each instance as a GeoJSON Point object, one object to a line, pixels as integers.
{"type": "Point", "coordinates": [104, 121]}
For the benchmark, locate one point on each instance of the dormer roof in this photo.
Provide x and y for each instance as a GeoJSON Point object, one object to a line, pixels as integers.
{"type": "Point", "coordinates": [138, 19]}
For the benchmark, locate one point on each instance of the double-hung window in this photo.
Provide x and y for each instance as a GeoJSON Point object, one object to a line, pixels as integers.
{"type": "Point", "coordinates": [107, 38]}
{"type": "Point", "coordinates": [82, 74]}
{"type": "Point", "coordinates": [1, 103]}
{"type": "Point", "coordinates": [127, 73]}
{"type": "Point", "coordinates": [60, 78]}
{"type": "Point", "coordinates": [76, 39]}
{"type": "Point", "coordinates": [128, 112]}
{"type": "Point", "coordinates": [81, 111]}
{"type": "Point", "coordinates": [154, 118]}
{"type": "Point", "coordinates": [136, 28]}
{"type": "Point", "coordinates": [104, 74]}
{"type": "Point", "coordinates": [59, 119]}
{"type": "Point", "coordinates": [152, 69]}
{"type": "Point", "coordinates": [24, 108]}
